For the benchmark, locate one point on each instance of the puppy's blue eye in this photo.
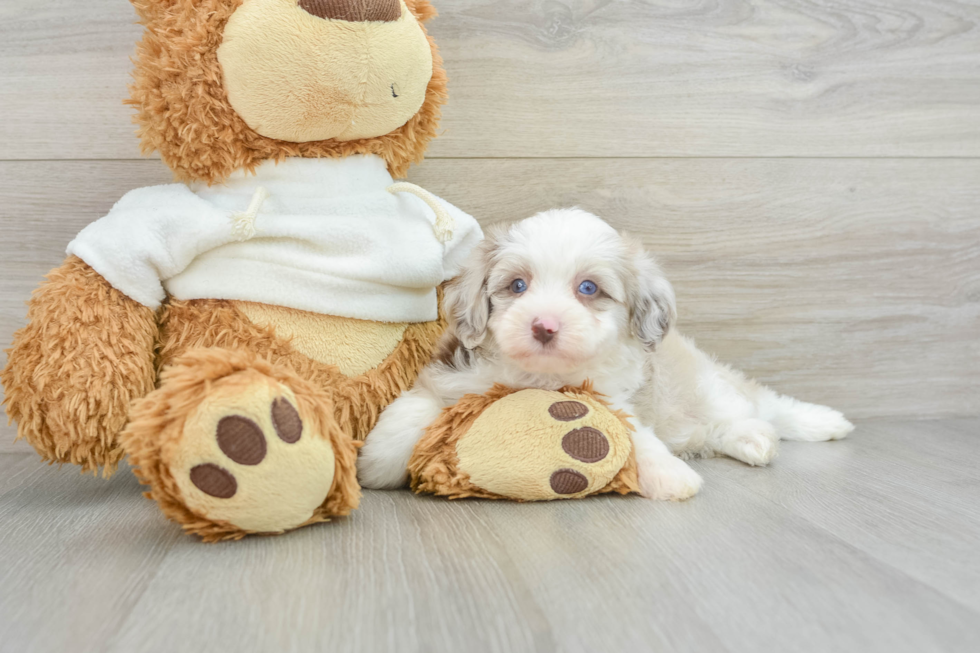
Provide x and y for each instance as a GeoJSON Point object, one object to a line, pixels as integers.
{"type": "Point", "coordinates": [588, 288]}
{"type": "Point", "coordinates": [518, 285]}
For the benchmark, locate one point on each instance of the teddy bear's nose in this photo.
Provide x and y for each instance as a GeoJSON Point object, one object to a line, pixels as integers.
{"type": "Point", "coordinates": [354, 10]}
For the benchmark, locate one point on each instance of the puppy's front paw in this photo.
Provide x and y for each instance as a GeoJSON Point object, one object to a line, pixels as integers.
{"type": "Point", "coordinates": [667, 479]}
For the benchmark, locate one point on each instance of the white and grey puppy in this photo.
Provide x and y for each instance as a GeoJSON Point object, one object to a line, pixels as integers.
{"type": "Point", "coordinates": [561, 298]}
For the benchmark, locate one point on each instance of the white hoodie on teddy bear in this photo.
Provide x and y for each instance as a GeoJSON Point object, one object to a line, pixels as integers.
{"type": "Point", "coordinates": [331, 236]}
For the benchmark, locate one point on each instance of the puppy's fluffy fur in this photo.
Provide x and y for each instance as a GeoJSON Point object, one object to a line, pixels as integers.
{"type": "Point", "coordinates": [522, 314]}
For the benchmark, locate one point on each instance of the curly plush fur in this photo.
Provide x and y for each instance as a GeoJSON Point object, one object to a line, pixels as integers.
{"type": "Point", "coordinates": [357, 401]}
{"type": "Point", "coordinates": [158, 422]}
{"type": "Point", "coordinates": [108, 351]}
{"type": "Point", "coordinates": [184, 113]}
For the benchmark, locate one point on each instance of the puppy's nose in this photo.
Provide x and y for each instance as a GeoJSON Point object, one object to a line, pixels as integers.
{"type": "Point", "coordinates": [355, 11]}
{"type": "Point", "coordinates": [544, 330]}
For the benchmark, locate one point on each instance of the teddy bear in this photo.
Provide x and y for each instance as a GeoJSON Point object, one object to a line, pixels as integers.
{"type": "Point", "coordinates": [237, 333]}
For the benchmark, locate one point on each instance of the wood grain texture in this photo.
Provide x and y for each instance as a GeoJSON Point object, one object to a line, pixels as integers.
{"type": "Point", "coordinates": [860, 545]}
{"type": "Point", "coordinates": [64, 67]}
{"type": "Point", "coordinates": [852, 283]}
{"type": "Point", "coordinates": [77, 552]}
{"type": "Point", "coordinates": [544, 78]}
{"type": "Point", "coordinates": [844, 282]}
{"type": "Point", "coordinates": [912, 509]}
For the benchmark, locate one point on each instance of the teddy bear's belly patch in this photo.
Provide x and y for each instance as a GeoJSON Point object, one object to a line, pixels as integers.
{"type": "Point", "coordinates": [353, 346]}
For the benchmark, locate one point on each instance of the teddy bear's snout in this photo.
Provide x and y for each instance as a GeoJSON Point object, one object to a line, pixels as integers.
{"type": "Point", "coordinates": [354, 10]}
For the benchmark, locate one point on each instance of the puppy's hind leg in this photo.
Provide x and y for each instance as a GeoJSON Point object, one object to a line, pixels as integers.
{"type": "Point", "coordinates": [727, 419]}
{"type": "Point", "coordinates": [802, 421]}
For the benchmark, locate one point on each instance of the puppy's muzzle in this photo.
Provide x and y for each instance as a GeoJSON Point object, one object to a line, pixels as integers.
{"type": "Point", "coordinates": [544, 330]}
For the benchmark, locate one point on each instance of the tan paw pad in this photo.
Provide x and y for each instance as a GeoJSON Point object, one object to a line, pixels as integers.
{"type": "Point", "coordinates": [246, 457]}
{"type": "Point", "coordinates": [538, 445]}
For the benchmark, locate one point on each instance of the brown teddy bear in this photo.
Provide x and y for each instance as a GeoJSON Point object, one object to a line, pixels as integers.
{"type": "Point", "coordinates": [236, 334]}
{"type": "Point", "coordinates": [266, 310]}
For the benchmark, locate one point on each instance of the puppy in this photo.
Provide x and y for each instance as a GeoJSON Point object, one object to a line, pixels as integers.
{"type": "Point", "coordinates": [561, 298]}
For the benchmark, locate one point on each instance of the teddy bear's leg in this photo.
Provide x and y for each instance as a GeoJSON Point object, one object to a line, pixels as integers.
{"type": "Point", "coordinates": [72, 372]}
{"type": "Point", "coordinates": [231, 444]}
{"type": "Point", "coordinates": [526, 445]}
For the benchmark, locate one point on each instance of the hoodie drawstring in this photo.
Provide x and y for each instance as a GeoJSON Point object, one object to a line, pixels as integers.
{"type": "Point", "coordinates": [445, 223]}
{"type": "Point", "coordinates": [243, 223]}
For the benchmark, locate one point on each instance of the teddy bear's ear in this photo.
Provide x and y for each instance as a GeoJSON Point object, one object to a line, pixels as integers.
{"type": "Point", "coordinates": [422, 9]}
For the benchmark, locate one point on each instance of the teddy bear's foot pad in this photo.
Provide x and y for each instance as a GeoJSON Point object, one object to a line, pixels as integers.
{"type": "Point", "coordinates": [230, 444]}
{"type": "Point", "coordinates": [246, 458]}
{"type": "Point", "coordinates": [544, 445]}
{"type": "Point", "coordinates": [529, 445]}
{"type": "Point", "coordinates": [242, 440]}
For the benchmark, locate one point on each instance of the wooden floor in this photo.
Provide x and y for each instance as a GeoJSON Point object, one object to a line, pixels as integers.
{"type": "Point", "coordinates": [868, 544]}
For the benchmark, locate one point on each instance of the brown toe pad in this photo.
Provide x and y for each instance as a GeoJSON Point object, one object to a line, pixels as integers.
{"type": "Point", "coordinates": [568, 481]}
{"type": "Point", "coordinates": [213, 480]}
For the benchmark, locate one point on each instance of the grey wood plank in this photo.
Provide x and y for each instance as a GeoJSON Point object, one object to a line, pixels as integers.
{"type": "Point", "coordinates": [65, 66]}
{"type": "Point", "coordinates": [398, 575]}
{"type": "Point", "coordinates": [77, 551]}
{"type": "Point", "coordinates": [757, 577]}
{"type": "Point", "coordinates": [762, 559]}
{"type": "Point", "coordinates": [838, 281]}
{"type": "Point", "coordinates": [727, 572]}
{"type": "Point", "coordinates": [905, 493]}
{"type": "Point", "coordinates": [847, 282]}
{"type": "Point", "coordinates": [583, 78]}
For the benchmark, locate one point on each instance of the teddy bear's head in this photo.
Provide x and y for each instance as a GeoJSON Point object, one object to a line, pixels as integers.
{"type": "Point", "coordinates": [221, 85]}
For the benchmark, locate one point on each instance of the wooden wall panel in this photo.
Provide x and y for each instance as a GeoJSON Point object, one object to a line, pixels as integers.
{"type": "Point", "coordinates": [840, 281]}
{"type": "Point", "coordinates": [582, 78]}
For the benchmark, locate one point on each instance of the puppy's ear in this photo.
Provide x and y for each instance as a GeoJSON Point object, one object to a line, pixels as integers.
{"type": "Point", "coordinates": [650, 298]}
{"type": "Point", "coordinates": [467, 297]}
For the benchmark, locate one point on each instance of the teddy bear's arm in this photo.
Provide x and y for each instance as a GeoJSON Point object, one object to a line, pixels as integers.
{"type": "Point", "coordinates": [86, 353]}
